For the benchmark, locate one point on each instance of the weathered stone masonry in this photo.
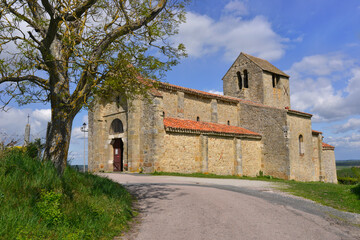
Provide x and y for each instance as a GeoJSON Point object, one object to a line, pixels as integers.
{"type": "Point", "coordinates": [251, 129]}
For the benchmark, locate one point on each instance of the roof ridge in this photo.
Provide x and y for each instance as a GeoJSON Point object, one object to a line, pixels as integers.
{"type": "Point", "coordinates": [265, 68]}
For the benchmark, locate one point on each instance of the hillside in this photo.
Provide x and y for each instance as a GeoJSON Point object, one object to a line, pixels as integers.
{"type": "Point", "coordinates": [349, 163]}
{"type": "Point", "coordinates": [36, 203]}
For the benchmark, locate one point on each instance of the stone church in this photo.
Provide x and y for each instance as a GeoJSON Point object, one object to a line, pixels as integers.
{"type": "Point", "coordinates": [250, 130]}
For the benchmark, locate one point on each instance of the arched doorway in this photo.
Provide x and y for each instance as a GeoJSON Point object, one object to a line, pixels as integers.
{"type": "Point", "coordinates": [118, 146]}
{"type": "Point", "coordinates": [117, 128]}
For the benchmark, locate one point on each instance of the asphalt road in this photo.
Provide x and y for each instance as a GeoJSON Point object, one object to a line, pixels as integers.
{"type": "Point", "coordinates": [198, 208]}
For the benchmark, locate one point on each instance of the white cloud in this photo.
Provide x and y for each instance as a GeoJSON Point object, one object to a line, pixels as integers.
{"type": "Point", "coordinates": [236, 8]}
{"type": "Point", "coordinates": [320, 65]}
{"type": "Point", "coordinates": [353, 124]}
{"type": "Point", "coordinates": [350, 142]}
{"type": "Point", "coordinates": [13, 122]}
{"type": "Point", "coordinates": [231, 34]}
{"type": "Point", "coordinates": [78, 134]}
{"type": "Point", "coordinates": [326, 85]}
{"type": "Point", "coordinates": [85, 119]}
{"type": "Point", "coordinates": [216, 92]}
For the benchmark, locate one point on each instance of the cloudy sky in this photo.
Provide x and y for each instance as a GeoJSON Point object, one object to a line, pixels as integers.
{"type": "Point", "coordinates": [317, 44]}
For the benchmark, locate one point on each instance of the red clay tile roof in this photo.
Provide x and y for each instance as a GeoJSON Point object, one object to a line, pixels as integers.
{"type": "Point", "coordinates": [316, 132]}
{"type": "Point", "coordinates": [265, 65]}
{"type": "Point", "coordinates": [327, 146]}
{"type": "Point", "coordinates": [150, 83]}
{"type": "Point", "coordinates": [206, 127]}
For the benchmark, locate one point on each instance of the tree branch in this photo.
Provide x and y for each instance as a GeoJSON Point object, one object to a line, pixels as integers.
{"type": "Point", "coordinates": [124, 12]}
{"type": "Point", "coordinates": [35, 9]}
{"type": "Point", "coordinates": [48, 8]}
{"type": "Point", "coordinates": [31, 78]}
{"type": "Point", "coordinates": [21, 16]}
{"type": "Point", "coordinates": [83, 85]}
{"type": "Point", "coordinates": [79, 10]}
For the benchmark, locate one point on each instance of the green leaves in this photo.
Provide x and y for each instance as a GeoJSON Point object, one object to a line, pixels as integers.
{"type": "Point", "coordinates": [49, 207]}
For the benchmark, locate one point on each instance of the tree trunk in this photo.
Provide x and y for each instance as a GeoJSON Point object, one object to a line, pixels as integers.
{"type": "Point", "coordinates": [58, 139]}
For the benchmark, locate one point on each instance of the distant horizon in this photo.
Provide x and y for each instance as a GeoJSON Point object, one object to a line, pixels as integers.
{"type": "Point", "coordinates": [349, 160]}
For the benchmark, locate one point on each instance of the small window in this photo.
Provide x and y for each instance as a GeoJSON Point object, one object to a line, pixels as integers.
{"type": "Point", "coordinates": [116, 127]}
{"type": "Point", "coordinates": [198, 119]}
{"type": "Point", "coordinates": [246, 79]}
{"type": "Point", "coordinates": [301, 145]}
{"type": "Point", "coordinates": [239, 80]}
{"type": "Point", "coordinates": [163, 114]}
{"type": "Point", "coordinates": [228, 123]}
{"type": "Point", "coordinates": [275, 80]}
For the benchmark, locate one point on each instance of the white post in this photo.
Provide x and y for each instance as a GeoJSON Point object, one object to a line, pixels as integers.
{"type": "Point", "coordinates": [83, 129]}
{"type": "Point", "coordinates": [84, 151]}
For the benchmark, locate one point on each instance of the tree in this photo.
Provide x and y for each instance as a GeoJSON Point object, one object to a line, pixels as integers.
{"type": "Point", "coordinates": [66, 52]}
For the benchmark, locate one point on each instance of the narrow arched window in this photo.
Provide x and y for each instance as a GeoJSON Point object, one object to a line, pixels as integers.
{"type": "Point", "coordinates": [301, 145]}
{"type": "Point", "coordinates": [273, 80]}
{"type": "Point", "coordinates": [228, 122]}
{"type": "Point", "coordinates": [116, 127]}
{"type": "Point", "coordinates": [239, 80]}
{"type": "Point", "coordinates": [246, 79]}
{"type": "Point", "coordinates": [198, 119]}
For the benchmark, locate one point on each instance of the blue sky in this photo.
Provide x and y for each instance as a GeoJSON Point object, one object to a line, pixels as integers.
{"type": "Point", "coordinates": [316, 43]}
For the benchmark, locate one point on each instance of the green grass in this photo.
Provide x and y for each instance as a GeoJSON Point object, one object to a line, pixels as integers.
{"type": "Point", "coordinates": [342, 197]}
{"type": "Point", "coordinates": [36, 203]}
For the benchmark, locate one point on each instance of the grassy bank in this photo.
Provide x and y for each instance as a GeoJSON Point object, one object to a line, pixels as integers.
{"type": "Point", "coordinates": [342, 197]}
{"type": "Point", "coordinates": [339, 196]}
{"type": "Point", "coordinates": [35, 203]}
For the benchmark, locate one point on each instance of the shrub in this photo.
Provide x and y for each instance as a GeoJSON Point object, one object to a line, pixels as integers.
{"type": "Point", "coordinates": [348, 180]}
{"type": "Point", "coordinates": [49, 207]}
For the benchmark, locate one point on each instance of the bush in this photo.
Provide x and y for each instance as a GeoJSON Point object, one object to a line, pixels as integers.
{"type": "Point", "coordinates": [32, 150]}
{"type": "Point", "coordinates": [49, 207]}
{"type": "Point", "coordinates": [348, 180]}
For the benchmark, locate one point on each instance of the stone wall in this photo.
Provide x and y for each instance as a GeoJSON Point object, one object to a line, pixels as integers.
{"type": "Point", "coordinates": [328, 166]}
{"type": "Point", "coordinates": [302, 164]}
{"type": "Point", "coordinates": [272, 125]}
{"type": "Point", "coordinates": [133, 134]}
{"type": "Point", "coordinates": [227, 111]}
{"type": "Point", "coordinates": [178, 104]}
{"type": "Point", "coordinates": [278, 96]}
{"type": "Point", "coordinates": [190, 153]}
{"type": "Point", "coordinates": [221, 159]}
{"type": "Point", "coordinates": [255, 80]}
{"type": "Point", "coordinates": [152, 134]}
{"type": "Point", "coordinates": [170, 102]}
{"type": "Point", "coordinates": [251, 157]}
{"type": "Point", "coordinates": [195, 106]}
{"type": "Point", "coordinates": [181, 154]}
{"type": "Point", "coordinates": [316, 155]}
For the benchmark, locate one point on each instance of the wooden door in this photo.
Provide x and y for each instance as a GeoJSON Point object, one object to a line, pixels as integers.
{"type": "Point", "coordinates": [118, 149]}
